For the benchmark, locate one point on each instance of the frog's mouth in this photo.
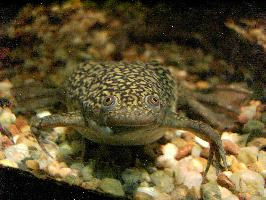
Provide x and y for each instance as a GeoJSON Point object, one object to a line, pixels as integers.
{"type": "Point", "coordinates": [120, 130]}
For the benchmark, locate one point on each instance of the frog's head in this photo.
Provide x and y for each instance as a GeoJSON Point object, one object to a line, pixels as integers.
{"type": "Point", "coordinates": [130, 96]}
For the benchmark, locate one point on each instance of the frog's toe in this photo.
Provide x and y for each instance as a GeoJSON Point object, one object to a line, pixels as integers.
{"type": "Point", "coordinates": [217, 152]}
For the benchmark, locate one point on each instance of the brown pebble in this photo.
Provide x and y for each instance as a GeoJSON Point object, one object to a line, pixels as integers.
{"type": "Point", "coordinates": [224, 181]}
{"type": "Point", "coordinates": [231, 147]}
{"type": "Point", "coordinates": [14, 130]}
{"type": "Point", "coordinates": [32, 165]}
{"type": "Point", "coordinates": [21, 122]}
{"type": "Point", "coordinates": [205, 152]}
{"type": "Point", "coordinates": [184, 151]}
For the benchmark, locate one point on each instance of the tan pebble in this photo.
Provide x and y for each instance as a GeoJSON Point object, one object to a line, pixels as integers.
{"type": "Point", "coordinates": [142, 196]}
{"type": "Point", "coordinates": [2, 155]}
{"type": "Point", "coordinates": [188, 136]}
{"type": "Point", "coordinates": [237, 166]}
{"type": "Point", "coordinates": [92, 184]}
{"type": "Point", "coordinates": [64, 171]}
{"type": "Point", "coordinates": [32, 164]}
{"type": "Point", "coordinates": [184, 151]}
{"type": "Point", "coordinates": [179, 142]}
{"type": "Point", "coordinates": [25, 129]}
{"type": "Point", "coordinates": [62, 164]}
{"type": "Point", "coordinates": [52, 170]}
{"type": "Point", "coordinates": [230, 147]}
{"type": "Point", "coordinates": [8, 163]}
{"type": "Point", "coordinates": [202, 84]}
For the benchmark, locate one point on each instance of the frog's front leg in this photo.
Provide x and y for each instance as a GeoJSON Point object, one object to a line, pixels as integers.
{"type": "Point", "coordinates": [70, 119]}
{"type": "Point", "coordinates": [202, 130]}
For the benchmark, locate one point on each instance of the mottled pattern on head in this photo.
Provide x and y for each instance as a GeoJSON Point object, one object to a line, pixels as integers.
{"type": "Point", "coordinates": [130, 83]}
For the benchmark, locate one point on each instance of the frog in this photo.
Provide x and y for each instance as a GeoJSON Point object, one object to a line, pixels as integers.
{"type": "Point", "coordinates": [121, 103]}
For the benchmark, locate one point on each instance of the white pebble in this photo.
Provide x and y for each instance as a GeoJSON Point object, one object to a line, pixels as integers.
{"type": "Point", "coordinates": [196, 150]}
{"type": "Point", "coordinates": [43, 114]}
{"type": "Point", "coordinates": [7, 117]}
{"type": "Point", "coordinates": [154, 193]}
{"type": "Point", "coordinates": [202, 142]}
{"type": "Point", "coordinates": [170, 150]}
{"type": "Point", "coordinates": [17, 152]}
{"type": "Point", "coordinates": [60, 130]}
{"type": "Point", "coordinates": [227, 194]}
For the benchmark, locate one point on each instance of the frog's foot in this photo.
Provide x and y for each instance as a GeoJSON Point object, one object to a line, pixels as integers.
{"type": "Point", "coordinates": [221, 107]}
{"type": "Point", "coordinates": [203, 131]}
{"type": "Point", "coordinates": [32, 97]}
{"type": "Point", "coordinates": [216, 119]}
{"type": "Point", "coordinates": [41, 139]}
{"type": "Point", "coordinates": [71, 119]}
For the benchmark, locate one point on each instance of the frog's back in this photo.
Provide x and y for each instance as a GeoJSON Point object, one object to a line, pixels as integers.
{"type": "Point", "coordinates": [129, 81]}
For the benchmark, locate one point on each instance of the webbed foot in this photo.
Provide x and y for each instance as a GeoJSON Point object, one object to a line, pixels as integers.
{"type": "Point", "coordinates": [219, 107]}
{"type": "Point", "coordinates": [205, 132]}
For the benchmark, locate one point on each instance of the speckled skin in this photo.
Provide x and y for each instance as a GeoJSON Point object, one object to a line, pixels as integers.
{"type": "Point", "coordinates": [130, 83]}
{"type": "Point", "coordinates": [121, 103]}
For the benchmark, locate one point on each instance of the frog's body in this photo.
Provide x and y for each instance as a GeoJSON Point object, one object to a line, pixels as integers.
{"type": "Point", "coordinates": [121, 103]}
{"type": "Point", "coordinates": [133, 120]}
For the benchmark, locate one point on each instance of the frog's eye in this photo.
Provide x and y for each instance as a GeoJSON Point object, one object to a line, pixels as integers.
{"type": "Point", "coordinates": [109, 101]}
{"type": "Point", "coordinates": [153, 100]}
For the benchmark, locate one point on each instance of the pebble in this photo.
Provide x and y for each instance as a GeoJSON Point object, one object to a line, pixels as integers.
{"type": "Point", "coordinates": [151, 193]}
{"type": "Point", "coordinates": [2, 155]}
{"type": "Point", "coordinates": [43, 114]}
{"type": "Point", "coordinates": [248, 112]}
{"type": "Point", "coordinates": [247, 181]}
{"type": "Point", "coordinates": [112, 186]}
{"type": "Point", "coordinates": [233, 137]}
{"type": "Point", "coordinates": [170, 150]}
{"type": "Point", "coordinates": [196, 151]}
{"type": "Point", "coordinates": [179, 142]}
{"type": "Point", "coordinates": [227, 194]}
{"type": "Point", "coordinates": [253, 126]}
{"type": "Point", "coordinates": [188, 172]}
{"type": "Point", "coordinates": [32, 165]}
{"type": "Point", "coordinates": [17, 152]}
{"type": "Point", "coordinates": [92, 184]}
{"type": "Point", "coordinates": [211, 191]}
{"type": "Point", "coordinates": [184, 151]}
{"type": "Point", "coordinates": [8, 163]}
{"type": "Point", "coordinates": [72, 179]}
{"type": "Point", "coordinates": [236, 165]}
{"type": "Point", "coordinates": [65, 150]}
{"type": "Point", "coordinates": [248, 155]}
{"type": "Point", "coordinates": [87, 172]}
{"type": "Point", "coordinates": [230, 147]}
{"type": "Point", "coordinates": [133, 177]}
{"type": "Point", "coordinates": [164, 181]}
{"type": "Point", "coordinates": [7, 117]}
